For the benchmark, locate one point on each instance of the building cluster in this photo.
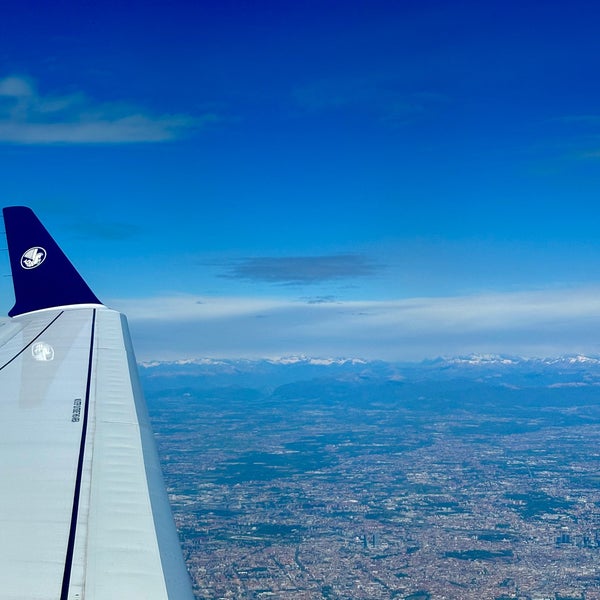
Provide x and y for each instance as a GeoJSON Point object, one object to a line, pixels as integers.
{"type": "Point", "coordinates": [380, 501]}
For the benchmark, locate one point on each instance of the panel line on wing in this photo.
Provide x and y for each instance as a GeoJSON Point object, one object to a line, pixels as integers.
{"type": "Point", "coordinates": [33, 340]}
{"type": "Point", "coordinates": [75, 510]}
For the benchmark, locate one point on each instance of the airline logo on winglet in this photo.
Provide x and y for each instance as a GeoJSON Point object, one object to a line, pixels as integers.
{"type": "Point", "coordinates": [33, 258]}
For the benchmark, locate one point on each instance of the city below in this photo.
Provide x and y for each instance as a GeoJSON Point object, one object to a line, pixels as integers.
{"type": "Point", "coordinates": [471, 478]}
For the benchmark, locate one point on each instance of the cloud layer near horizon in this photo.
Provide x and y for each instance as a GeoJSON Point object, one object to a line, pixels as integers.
{"type": "Point", "coordinates": [538, 323]}
{"type": "Point", "coordinates": [28, 117]}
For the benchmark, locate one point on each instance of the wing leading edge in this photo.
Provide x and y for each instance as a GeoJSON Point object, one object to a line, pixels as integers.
{"type": "Point", "coordinates": [84, 512]}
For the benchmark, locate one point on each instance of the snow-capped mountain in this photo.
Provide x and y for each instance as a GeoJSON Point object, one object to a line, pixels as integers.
{"type": "Point", "coordinates": [568, 370]}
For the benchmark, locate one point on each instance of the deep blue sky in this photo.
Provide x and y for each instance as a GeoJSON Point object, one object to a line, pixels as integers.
{"type": "Point", "coordinates": [382, 179]}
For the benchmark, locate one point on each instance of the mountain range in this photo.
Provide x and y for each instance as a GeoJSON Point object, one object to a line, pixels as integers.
{"type": "Point", "coordinates": [497, 370]}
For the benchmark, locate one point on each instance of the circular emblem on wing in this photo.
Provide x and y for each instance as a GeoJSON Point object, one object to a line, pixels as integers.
{"type": "Point", "coordinates": [42, 351]}
{"type": "Point", "coordinates": [33, 258]}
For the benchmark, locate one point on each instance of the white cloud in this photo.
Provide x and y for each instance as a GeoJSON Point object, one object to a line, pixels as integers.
{"type": "Point", "coordinates": [27, 117]}
{"type": "Point", "coordinates": [17, 87]}
{"type": "Point", "coordinates": [526, 323]}
{"type": "Point", "coordinates": [184, 307]}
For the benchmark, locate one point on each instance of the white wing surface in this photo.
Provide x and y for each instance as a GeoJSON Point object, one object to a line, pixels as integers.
{"type": "Point", "coordinates": [84, 513]}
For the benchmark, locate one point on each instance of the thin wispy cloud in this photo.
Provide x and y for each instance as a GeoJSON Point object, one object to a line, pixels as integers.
{"type": "Point", "coordinates": [302, 269]}
{"type": "Point", "coordinates": [108, 231]}
{"type": "Point", "coordinates": [575, 137]}
{"type": "Point", "coordinates": [588, 119]}
{"type": "Point", "coordinates": [538, 323]}
{"type": "Point", "coordinates": [185, 307]}
{"type": "Point", "coordinates": [378, 96]}
{"type": "Point", "coordinates": [29, 117]}
{"type": "Point", "coordinates": [320, 299]}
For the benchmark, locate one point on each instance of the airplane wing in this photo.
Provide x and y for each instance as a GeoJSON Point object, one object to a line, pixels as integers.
{"type": "Point", "coordinates": [84, 513]}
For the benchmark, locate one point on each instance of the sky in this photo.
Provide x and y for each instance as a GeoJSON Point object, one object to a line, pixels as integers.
{"type": "Point", "coordinates": [396, 180]}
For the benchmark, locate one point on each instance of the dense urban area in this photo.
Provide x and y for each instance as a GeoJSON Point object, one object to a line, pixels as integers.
{"type": "Point", "coordinates": [476, 478]}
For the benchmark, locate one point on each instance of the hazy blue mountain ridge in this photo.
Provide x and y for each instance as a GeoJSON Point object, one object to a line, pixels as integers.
{"type": "Point", "coordinates": [268, 374]}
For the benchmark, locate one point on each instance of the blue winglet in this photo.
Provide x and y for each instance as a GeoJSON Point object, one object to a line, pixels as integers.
{"type": "Point", "coordinates": [43, 277]}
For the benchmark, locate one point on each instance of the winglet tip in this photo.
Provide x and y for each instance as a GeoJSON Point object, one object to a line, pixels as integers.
{"type": "Point", "coordinates": [43, 277]}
